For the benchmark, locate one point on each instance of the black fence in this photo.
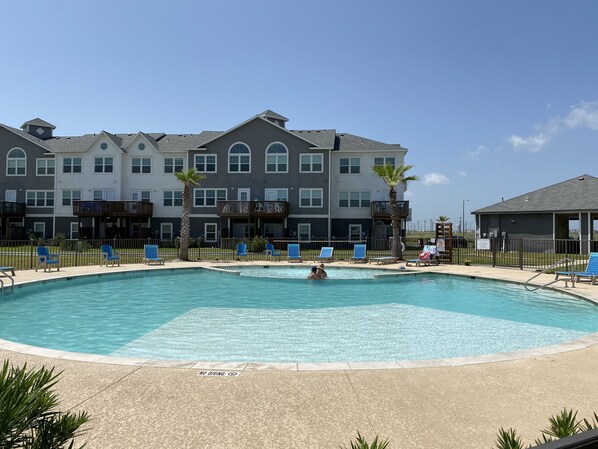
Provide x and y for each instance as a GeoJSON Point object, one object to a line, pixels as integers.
{"type": "Point", "coordinates": [519, 253]}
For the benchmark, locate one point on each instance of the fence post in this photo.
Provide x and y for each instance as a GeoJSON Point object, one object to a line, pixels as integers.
{"type": "Point", "coordinates": [493, 245]}
{"type": "Point", "coordinates": [77, 253]}
{"type": "Point", "coordinates": [31, 255]}
{"type": "Point", "coordinates": [521, 254]}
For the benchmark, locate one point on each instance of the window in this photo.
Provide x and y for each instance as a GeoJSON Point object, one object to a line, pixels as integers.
{"type": "Point", "coordinates": [310, 197]}
{"type": "Point", "coordinates": [350, 165]}
{"type": "Point", "coordinates": [304, 231]}
{"type": "Point", "coordinates": [45, 167]}
{"type": "Point", "coordinates": [141, 165]}
{"type": "Point", "coordinates": [276, 194]}
{"type": "Point", "coordinates": [146, 196]}
{"type": "Point", "coordinates": [353, 199]}
{"type": "Point", "coordinates": [382, 161]}
{"type": "Point", "coordinates": [40, 198]}
{"type": "Point", "coordinates": [354, 232]}
{"type": "Point", "coordinates": [210, 232]}
{"type": "Point", "coordinates": [103, 165]}
{"type": "Point", "coordinates": [71, 165]}
{"type": "Point", "coordinates": [239, 158]}
{"type": "Point", "coordinates": [68, 196]}
{"type": "Point", "coordinates": [208, 197]}
{"type": "Point", "coordinates": [173, 198]}
{"type": "Point", "coordinates": [173, 164]}
{"type": "Point", "coordinates": [205, 163]}
{"type": "Point", "coordinates": [103, 195]}
{"type": "Point", "coordinates": [311, 163]}
{"type": "Point", "coordinates": [166, 231]}
{"type": "Point", "coordinates": [16, 162]}
{"type": "Point", "coordinates": [277, 158]}
{"type": "Point", "coordinates": [39, 229]}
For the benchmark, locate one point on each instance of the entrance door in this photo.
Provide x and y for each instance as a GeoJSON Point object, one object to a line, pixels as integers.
{"type": "Point", "coordinates": [243, 194]}
{"type": "Point", "coordinates": [10, 196]}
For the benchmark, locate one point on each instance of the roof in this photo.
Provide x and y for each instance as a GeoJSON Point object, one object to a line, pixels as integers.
{"type": "Point", "coordinates": [27, 136]}
{"type": "Point", "coordinates": [353, 142]}
{"type": "Point", "coordinates": [274, 115]}
{"type": "Point", "coordinates": [321, 138]}
{"type": "Point", "coordinates": [574, 195]}
{"type": "Point", "coordinates": [38, 122]}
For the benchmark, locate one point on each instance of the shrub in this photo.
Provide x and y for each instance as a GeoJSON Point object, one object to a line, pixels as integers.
{"type": "Point", "coordinates": [361, 443]}
{"type": "Point", "coordinates": [257, 245]}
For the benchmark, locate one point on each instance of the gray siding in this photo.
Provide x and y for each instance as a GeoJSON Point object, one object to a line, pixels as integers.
{"type": "Point", "coordinates": [517, 225]}
{"type": "Point", "coordinates": [340, 227]}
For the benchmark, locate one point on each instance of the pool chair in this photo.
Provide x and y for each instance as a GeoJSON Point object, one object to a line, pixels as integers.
{"type": "Point", "coordinates": [47, 260]}
{"type": "Point", "coordinates": [359, 250]}
{"type": "Point", "coordinates": [325, 254]}
{"type": "Point", "coordinates": [241, 250]}
{"type": "Point", "coordinates": [109, 256]}
{"type": "Point", "coordinates": [293, 253]}
{"type": "Point", "coordinates": [4, 271]}
{"type": "Point", "coordinates": [271, 252]}
{"type": "Point", "coordinates": [427, 256]}
{"type": "Point", "coordinates": [150, 255]}
{"type": "Point", "coordinates": [590, 273]}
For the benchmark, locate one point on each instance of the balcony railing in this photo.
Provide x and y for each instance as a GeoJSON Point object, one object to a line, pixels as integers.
{"type": "Point", "coordinates": [10, 209]}
{"type": "Point", "coordinates": [381, 209]}
{"type": "Point", "coordinates": [247, 209]}
{"type": "Point", "coordinates": [112, 209]}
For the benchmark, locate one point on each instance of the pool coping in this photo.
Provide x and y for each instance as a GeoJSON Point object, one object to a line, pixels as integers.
{"type": "Point", "coordinates": [573, 345]}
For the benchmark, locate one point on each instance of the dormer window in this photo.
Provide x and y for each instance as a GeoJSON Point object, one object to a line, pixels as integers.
{"type": "Point", "coordinates": [16, 162]}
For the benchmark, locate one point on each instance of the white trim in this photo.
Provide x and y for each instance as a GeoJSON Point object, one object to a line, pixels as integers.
{"type": "Point", "coordinates": [272, 189]}
{"type": "Point", "coordinates": [141, 159]}
{"type": "Point", "coordinates": [311, 198]}
{"type": "Point", "coordinates": [311, 155]}
{"type": "Point", "coordinates": [360, 231]}
{"type": "Point", "coordinates": [205, 163]}
{"type": "Point", "coordinates": [239, 155]}
{"type": "Point", "coordinates": [162, 226]}
{"type": "Point", "coordinates": [45, 159]}
{"type": "Point", "coordinates": [299, 234]}
{"type": "Point", "coordinates": [308, 216]}
{"type": "Point", "coordinates": [204, 216]}
{"type": "Point", "coordinates": [43, 232]}
{"type": "Point", "coordinates": [76, 223]}
{"type": "Point", "coordinates": [16, 159]}
{"type": "Point", "coordinates": [183, 158]}
{"type": "Point", "coordinates": [205, 232]}
{"type": "Point", "coordinates": [276, 155]}
{"type": "Point", "coordinates": [46, 191]}
{"type": "Point", "coordinates": [205, 189]}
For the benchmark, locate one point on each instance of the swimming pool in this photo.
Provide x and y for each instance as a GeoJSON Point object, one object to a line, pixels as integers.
{"type": "Point", "coordinates": [215, 316]}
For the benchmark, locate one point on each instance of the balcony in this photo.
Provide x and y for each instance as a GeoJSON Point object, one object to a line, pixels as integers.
{"type": "Point", "coordinates": [10, 209]}
{"type": "Point", "coordinates": [381, 209]}
{"type": "Point", "coordinates": [112, 209]}
{"type": "Point", "coordinates": [253, 209]}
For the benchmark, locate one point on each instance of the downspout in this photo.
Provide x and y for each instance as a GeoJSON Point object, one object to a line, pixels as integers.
{"type": "Point", "coordinates": [329, 192]}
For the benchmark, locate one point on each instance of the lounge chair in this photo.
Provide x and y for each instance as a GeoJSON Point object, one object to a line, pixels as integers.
{"type": "Point", "coordinates": [108, 256]}
{"type": "Point", "coordinates": [241, 250]}
{"type": "Point", "coordinates": [325, 254]}
{"type": "Point", "coordinates": [591, 271]}
{"type": "Point", "coordinates": [271, 252]}
{"type": "Point", "coordinates": [47, 260]}
{"type": "Point", "coordinates": [293, 253]}
{"type": "Point", "coordinates": [150, 255]}
{"type": "Point", "coordinates": [426, 256]}
{"type": "Point", "coordinates": [384, 260]}
{"type": "Point", "coordinates": [5, 270]}
{"type": "Point", "coordinates": [359, 250]}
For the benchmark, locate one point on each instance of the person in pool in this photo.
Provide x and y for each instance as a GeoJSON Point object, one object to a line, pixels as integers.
{"type": "Point", "coordinates": [313, 276]}
{"type": "Point", "coordinates": [321, 272]}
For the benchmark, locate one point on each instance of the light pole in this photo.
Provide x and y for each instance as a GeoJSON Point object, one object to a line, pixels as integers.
{"type": "Point", "coordinates": [463, 220]}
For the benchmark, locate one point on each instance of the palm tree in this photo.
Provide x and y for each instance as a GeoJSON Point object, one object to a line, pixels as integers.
{"type": "Point", "coordinates": [187, 178]}
{"type": "Point", "coordinates": [393, 177]}
{"type": "Point", "coordinates": [442, 219]}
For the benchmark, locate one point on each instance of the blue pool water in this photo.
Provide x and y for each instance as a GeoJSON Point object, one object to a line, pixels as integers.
{"type": "Point", "coordinates": [214, 316]}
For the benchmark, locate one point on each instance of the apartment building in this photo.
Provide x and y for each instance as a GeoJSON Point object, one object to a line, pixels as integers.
{"type": "Point", "coordinates": [261, 178]}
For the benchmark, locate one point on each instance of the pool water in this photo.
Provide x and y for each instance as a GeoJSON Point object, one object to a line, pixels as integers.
{"type": "Point", "coordinates": [216, 316]}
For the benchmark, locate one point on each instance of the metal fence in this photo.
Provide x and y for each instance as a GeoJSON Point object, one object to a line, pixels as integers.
{"type": "Point", "coordinates": [519, 253]}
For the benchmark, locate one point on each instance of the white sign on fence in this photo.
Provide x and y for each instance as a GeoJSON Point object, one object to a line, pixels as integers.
{"type": "Point", "coordinates": [483, 244]}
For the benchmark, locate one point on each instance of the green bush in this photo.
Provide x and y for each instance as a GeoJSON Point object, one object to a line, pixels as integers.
{"type": "Point", "coordinates": [257, 245]}
{"type": "Point", "coordinates": [361, 443]}
{"type": "Point", "coordinates": [28, 416]}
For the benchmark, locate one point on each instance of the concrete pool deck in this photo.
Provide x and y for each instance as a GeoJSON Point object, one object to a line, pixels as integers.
{"type": "Point", "coordinates": [456, 403]}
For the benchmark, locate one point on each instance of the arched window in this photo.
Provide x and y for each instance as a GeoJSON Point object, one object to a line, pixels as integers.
{"type": "Point", "coordinates": [16, 162]}
{"type": "Point", "coordinates": [277, 158]}
{"type": "Point", "coordinates": [239, 158]}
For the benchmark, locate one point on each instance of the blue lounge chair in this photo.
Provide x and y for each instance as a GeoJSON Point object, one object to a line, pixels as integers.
{"type": "Point", "coordinates": [47, 260]}
{"type": "Point", "coordinates": [271, 252]}
{"type": "Point", "coordinates": [591, 271]}
{"type": "Point", "coordinates": [108, 256]}
{"type": "Point", "coordinates": [241, 250]}
{"type": "Point", "coordinates": [359, 250]}
{"type": "Point", "coordinates": [293, 253]}
{"type": "Point", "coordinates": [325, 254]}
{"type": "Point", "coordinates": [150, 255]}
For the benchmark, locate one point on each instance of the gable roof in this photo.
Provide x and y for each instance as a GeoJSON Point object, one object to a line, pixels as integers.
{"type": "Point", "coordinates": [353, 142]}
{"type": "Point", "coordinates": [321, 138]}
{"type": "Point", "coordinates": [37, 141]}
{"type": "Point", "coordinates": [574, 195]}
{"type": "Point", "coordinates": [38, 122]}
{"type": "Point", "coordinates": [271, 114]}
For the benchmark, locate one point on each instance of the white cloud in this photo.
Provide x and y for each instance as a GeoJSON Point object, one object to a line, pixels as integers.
{"type": "Point", "coordinates": [582, 115]}
{"type": "Point", "coordinates": [430, 179]}
{"type": "Point", "coordinates": [462, 173]}
{"type": "Point", "coordinates": [408, 194]}
{"type": "Point", "coordinates": [475, 155]}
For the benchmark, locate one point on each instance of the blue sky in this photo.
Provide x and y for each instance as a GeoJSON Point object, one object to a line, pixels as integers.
{"type": "Point", "coordinates": [492, 99]}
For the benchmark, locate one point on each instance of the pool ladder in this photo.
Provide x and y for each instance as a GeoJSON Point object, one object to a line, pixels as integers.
{"type": "Point", "coordinates": [12, 282]}
{"type": "Point", "coordinates": [533, 289]}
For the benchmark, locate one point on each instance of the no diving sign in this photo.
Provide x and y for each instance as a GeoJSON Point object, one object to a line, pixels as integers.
{"type": "Point", "coordinates": [210, 373]}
